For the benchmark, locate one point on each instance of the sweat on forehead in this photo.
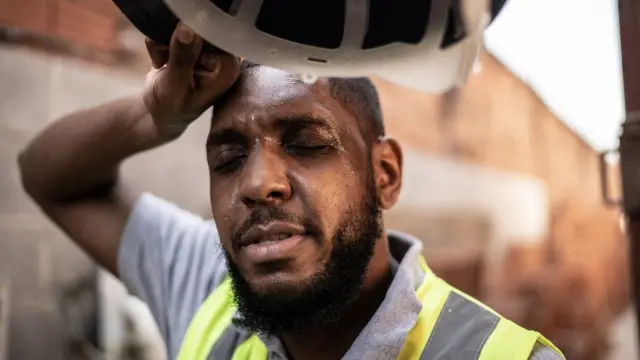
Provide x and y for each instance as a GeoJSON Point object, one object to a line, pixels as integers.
{"type": "Point", "coordinates": [357, 95]}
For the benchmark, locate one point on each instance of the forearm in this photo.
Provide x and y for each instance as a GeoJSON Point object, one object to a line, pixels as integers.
{"type": "Point", "coordinates": [81, 153]}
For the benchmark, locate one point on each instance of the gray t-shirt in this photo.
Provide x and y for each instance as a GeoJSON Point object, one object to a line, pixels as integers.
{"type": "Point", "coordinates": [172, 260]}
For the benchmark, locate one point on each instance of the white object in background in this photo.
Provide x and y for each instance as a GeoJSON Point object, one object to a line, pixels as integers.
{"type": "Point", "coordinates": [112, 324]}
{"type": "Point", "coordinates": [623, 337]}
{"type": "Point", "coordinates": [116, 304]}
{"type": "Point", "coordinates": [145, 328]}
{"type": "Point", "coordinates": [517, 205]}
{"type": "Point", "coordinates": [4, 317]}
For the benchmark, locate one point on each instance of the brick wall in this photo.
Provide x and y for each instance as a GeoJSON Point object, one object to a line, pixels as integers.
{"type": "Point", "coordinates": [36, 259]}
{"type": "Point", "coordinates": [91, 23]}
{"type": "Point", "coordinates": [496, 120]}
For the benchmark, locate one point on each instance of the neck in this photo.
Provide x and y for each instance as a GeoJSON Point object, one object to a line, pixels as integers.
{"type": "Point", "coordinates": [332, 341]}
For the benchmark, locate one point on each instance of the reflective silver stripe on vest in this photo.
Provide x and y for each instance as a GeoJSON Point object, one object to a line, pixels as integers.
{"type": "Point", "coordinates": [461, 330]}
{"type": "Point", "coordinates": [228, 342]}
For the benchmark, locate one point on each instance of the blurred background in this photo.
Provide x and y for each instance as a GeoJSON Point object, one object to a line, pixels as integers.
{"type": "Point", "coordinates": [502, 178]}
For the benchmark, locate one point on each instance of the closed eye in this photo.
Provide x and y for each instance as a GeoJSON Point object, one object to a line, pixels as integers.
{"type": "Point", "coordinates": [307, 150]}
{"type": "Point", "coordinates": [228, 160]}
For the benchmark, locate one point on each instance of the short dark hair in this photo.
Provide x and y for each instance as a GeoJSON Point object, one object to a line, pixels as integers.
{"type": "Point", "coordinates": [360, 97]}
{"type": "Point", "coordinates": [357, 95]}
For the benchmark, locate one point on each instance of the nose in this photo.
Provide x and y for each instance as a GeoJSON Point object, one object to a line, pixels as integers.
{"type": "Point", "coordinates": [264, 179]}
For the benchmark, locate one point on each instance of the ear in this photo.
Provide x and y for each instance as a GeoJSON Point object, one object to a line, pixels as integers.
{"type": "Point", "coordinates": [387, 161]}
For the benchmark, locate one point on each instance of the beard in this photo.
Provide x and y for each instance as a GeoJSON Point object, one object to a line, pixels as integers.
{"type": "Point", "coordinates": [326, 296]}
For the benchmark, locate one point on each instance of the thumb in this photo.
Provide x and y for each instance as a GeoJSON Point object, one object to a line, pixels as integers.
{"type": "Point", "coordinates": [183, 55]}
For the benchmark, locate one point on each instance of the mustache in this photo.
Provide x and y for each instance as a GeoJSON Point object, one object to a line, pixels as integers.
{"type": "Point", "coordinates": [266, 215]}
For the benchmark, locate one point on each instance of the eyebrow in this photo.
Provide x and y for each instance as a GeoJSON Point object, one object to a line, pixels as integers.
{"type": "Point", "coordinates": [229, 135]}
{"type": "Point", "coordinates": [299, 122]}
{"type": "Point", "coordinates": [225, 136]}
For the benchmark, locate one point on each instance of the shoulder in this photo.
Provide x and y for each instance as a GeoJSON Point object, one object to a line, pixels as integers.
{"type": "Point", "coordinates": [542, 352]}
{"type": "Point", "coordinates": [172, 260]}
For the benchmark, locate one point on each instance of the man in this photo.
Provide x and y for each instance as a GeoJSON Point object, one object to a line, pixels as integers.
{"type": "Point", "coordinates": [299, 176]}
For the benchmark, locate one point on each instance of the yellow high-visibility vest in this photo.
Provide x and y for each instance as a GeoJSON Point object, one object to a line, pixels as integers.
{"type": "Point", "coordinates": [450, 325]}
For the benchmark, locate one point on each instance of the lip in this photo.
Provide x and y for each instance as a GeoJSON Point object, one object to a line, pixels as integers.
{"type": "Point", "coordinates": [274, 251]}
{"type": "Point", "coordinates": [270, 233]}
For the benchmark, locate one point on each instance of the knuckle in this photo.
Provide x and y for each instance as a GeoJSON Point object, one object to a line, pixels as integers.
{"type": "Point", "coordinates": [163, 94]}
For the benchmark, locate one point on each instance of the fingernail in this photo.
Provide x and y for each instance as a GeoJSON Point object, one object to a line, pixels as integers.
{"type": "Point", "coordinates": [215, 66]}
{"type": "Point", "coordinates": [185, 35]}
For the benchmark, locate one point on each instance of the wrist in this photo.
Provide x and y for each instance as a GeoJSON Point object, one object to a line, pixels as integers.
{"type": "Point", "coordinates": [169, 131]}
{"type": "Point", "coordinates": [141, 129]}
{"type": "Point", "coordinates": [166, 125]}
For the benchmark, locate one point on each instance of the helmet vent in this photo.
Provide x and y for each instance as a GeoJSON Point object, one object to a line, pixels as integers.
{"type": "Point", "coordinates": [318, 23]}
{"type": "Point", "coordinates": [317, 60]}
{"type": "Point", "coordinates": [225, 5]}
{"type": "Point", "coordinates": [396, 21]}
{"type": "Point", "coordinates": [455, 31]}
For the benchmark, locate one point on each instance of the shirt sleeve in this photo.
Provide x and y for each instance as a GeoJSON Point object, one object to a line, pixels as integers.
{"type": "Point", "coordinates": [171, 259]}
{"type": "Point", "coordinates": [542, 352]}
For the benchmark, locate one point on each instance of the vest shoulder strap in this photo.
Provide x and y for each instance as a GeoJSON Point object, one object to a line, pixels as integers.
{"type": "Point", "coordinates": [252, 349]}
{"type": "Point", "coordinates": [208, 324]}
{"type": "Point", "coordinates": [457, 326]}
{"type": "Point", "coordinates": [509, 341]}
{"type": "Point", "coordinates": [433, 293]}
{"type": "Point", "coordinates": [549, 344]}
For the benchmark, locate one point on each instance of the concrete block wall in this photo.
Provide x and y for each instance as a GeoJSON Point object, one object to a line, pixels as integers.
{"type": "Point", "coordinates": [35, 256]}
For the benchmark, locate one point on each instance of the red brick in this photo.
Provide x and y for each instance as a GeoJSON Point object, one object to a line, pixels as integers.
{"type": "Point", "coordinates": [25, 14]}
{"type": "Point", "coordinates": [82, 25]}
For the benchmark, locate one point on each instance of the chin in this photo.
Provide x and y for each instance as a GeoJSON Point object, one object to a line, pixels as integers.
{"type": "Point", "coordinates": [283, 289]}
{"type": "Point", "coordinates": [287, 281]}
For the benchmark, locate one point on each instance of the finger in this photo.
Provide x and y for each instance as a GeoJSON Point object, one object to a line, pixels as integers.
{"type": "Point", "coordinates": [206, 72]}
{"type": "Point", "coordinates": [159, 53]}
{"type": "Point", "coordinates": [151, 76]}
{"type": "Point", "coordinates": [183, 55]}
{"type": "Point", "coordinates": [210, 84]}
{"type": "Point", "coordinates": [208, 61]}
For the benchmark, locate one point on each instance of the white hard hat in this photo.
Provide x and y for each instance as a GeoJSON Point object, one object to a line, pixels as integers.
{"type": "Point", "coordinates": [429, 45]}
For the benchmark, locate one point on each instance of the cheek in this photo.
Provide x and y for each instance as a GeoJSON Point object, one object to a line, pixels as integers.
{"type": "Point", "coordinates": [222, 211]}
{"type": "Point", "coordinates": [333, 193]}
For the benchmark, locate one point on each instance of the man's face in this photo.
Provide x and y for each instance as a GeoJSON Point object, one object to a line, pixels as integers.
{"type": "Point", "coordinates": [294, 198]}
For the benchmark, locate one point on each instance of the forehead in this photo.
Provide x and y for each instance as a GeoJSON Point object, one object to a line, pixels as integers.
{"type": "Point", "coordinates": [268, 87]}
{"type": "Point", "coordinates": [263, 94]}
